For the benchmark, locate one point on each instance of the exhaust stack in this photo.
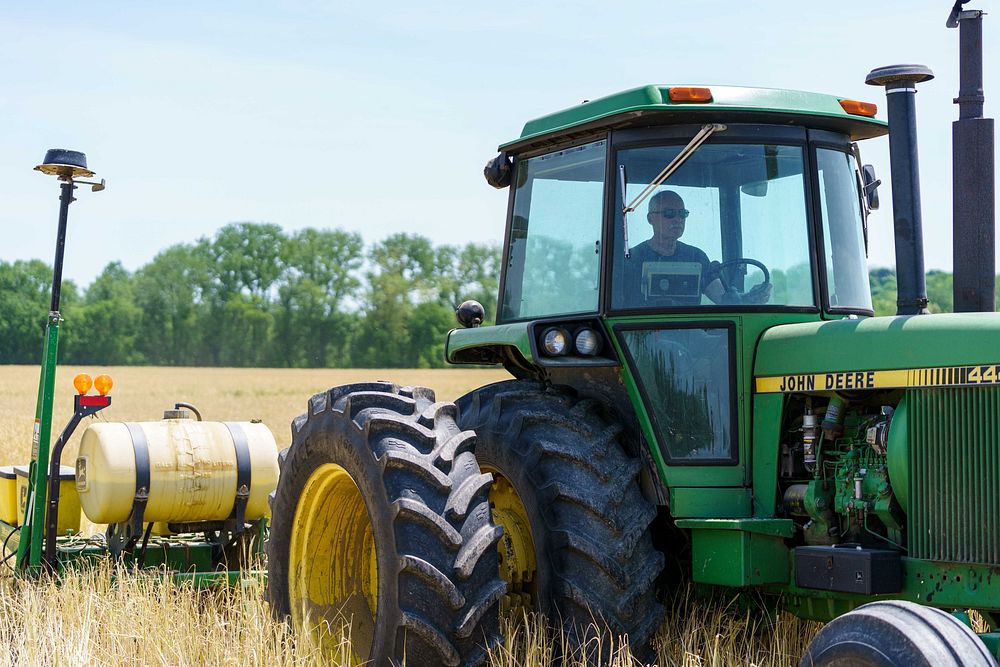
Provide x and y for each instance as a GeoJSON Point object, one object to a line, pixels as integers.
{"type": "Point", "coordinates": [900, 83]}
{"type": "Point", "coordinates": [973, 213]}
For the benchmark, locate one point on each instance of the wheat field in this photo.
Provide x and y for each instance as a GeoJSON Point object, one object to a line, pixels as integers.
{"type": "Point", "coordinates": [103, 617]}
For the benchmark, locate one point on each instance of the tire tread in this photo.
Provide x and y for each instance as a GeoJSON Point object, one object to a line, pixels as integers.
{"type": "Point", "coordinates": [444, 616]}
{"type": "Point", "coordinates": [597, 523]}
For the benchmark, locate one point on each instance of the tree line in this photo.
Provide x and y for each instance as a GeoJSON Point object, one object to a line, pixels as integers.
{"type": "Point", "coordinates": [940, 294]}
{"type": "Point", "coordinates": [254, 295]}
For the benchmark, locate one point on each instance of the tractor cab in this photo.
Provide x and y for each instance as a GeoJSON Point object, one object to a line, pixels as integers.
{"type": "Point", "coordinates": [595, 229]}
{"type": "Point", "coordinates": [674, 225]}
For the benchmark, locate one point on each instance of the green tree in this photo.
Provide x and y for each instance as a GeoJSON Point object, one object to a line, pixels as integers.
{"type": "Point", "coordinates": [24, 296]}
{"type": "Point", "coordinates": [940, 291]}
{"type": "Point", "coordinates": [108, 324]}
{"type": "Point", "coordinates": [883, 286]}
{"type": "Point", "coordinates": [169, 291]}
{"type": "Point", "coordinates": [244, 264]}
{"type": "Point", "coordinates": [427, 324]}
{"type": "Point", "coordinates": [940, 294]}
{"type": "Point", "coordinates": [401, 275]}
{"type": "Point", "coordinates": [312, 327]}
{"type": "Point", "coordinates": [247, 257]}
{"type": "Point", "coordinates": [243, 332]}
{"type": "Point", "coordinates": [469, 272]}
{"type": "Point", "coordinates": [25, 287]}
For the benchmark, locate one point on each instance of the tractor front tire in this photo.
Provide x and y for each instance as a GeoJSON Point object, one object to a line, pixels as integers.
{"type": "Point", "coordinates": [577, 543]}
{"type": "Point", "coordinates": [896, 633]}
{"type": "Point", "coordinates": [381, 544]}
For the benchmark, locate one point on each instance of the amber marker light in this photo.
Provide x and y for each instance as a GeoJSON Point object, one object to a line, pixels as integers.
{"type": "Point", "coordinates": [103, 384]}
{"type": "Point", "coordinates": [82, 383]}
{"type": "Point", "coordinates": [856, 108]}
{"type": "Point", "coordinates": [690, 94]}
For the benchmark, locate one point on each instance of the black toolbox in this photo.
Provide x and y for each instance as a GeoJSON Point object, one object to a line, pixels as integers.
{"type": "Point", "coordinates": [849, 569]}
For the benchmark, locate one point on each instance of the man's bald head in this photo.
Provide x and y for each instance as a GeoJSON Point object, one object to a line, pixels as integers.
{"type": "Point", "coordinates": [666, 216]}
{"type": "Point", "coordinates": [665, 199]}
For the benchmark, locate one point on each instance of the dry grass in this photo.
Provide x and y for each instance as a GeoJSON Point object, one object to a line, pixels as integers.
{"type": "Point", "coordinates": [716, 632]}
{"type": "Point", "coordinates": [93, 617]}
{"type": "Point", "coordinates": [707, 632]}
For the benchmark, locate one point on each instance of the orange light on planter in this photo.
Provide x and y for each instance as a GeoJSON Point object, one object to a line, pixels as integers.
{"type": "Point", "coordinates": [82, 383]}
{"type": "Point", "coordinates": [103, 384]}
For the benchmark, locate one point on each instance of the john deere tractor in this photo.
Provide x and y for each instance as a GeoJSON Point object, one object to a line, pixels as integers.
{"type": "Point", "coordinates": [698, 386]}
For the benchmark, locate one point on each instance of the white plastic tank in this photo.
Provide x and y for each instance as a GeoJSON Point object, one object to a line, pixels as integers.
{"type": "Point", "coordinates": [192, 471]}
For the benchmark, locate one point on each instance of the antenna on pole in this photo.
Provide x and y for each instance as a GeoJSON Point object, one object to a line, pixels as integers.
{"type": "Point", "coordinates": [67, 166]}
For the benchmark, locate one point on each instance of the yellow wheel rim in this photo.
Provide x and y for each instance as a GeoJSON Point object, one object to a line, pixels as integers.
{"type": "Point", "coordinates": [333, 571]}
{"type": "Point", "coordinates": [517, 547]}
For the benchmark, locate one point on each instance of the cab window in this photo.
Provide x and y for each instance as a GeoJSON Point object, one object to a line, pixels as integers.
{"type": "Point", "coordinates": [729, 227]}
{"type": "Point", "coordinates": [843, 234]}
{"type": "Point", "coordinates": [553, 253]}
{"type": "Point", "coordinates": [685, 373]}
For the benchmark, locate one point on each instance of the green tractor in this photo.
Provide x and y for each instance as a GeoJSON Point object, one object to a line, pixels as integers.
{"type": "Point", "coordinates": [698, 385]}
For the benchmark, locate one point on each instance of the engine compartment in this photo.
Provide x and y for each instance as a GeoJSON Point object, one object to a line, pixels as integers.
{"type": "Point", "coordinates": [836, 474]}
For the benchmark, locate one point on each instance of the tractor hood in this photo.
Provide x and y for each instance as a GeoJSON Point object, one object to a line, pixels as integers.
{"type": "Point", "coordinates": [855, 348]}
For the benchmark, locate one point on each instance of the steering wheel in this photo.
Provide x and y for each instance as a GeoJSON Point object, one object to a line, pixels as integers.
{"type": "Point", "coordinates": [748, 261]}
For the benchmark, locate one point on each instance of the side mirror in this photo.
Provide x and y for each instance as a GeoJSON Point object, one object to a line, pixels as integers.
{"type": "Point", "coordinates": [871, 186]}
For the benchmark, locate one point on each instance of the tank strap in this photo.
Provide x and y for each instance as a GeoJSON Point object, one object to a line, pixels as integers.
{"type": "Point", "coordinates": [141, 449]}
{"type": "Point", "coordinates": [242, 447]}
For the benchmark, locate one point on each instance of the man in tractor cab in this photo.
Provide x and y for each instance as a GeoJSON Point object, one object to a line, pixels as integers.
{"type": "Point", "coordinates": [692, 274]}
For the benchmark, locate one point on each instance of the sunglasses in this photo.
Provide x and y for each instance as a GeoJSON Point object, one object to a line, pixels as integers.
{"type": "Point", "coordinates": [671, 213]}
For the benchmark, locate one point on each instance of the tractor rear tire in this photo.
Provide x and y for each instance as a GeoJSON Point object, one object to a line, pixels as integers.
{"type": "Point", "coordinates": [577, 491]}
{"type": "Point", "coordinates": [894, 633]}
{"type": "Point", "coordinates": [381, 530]}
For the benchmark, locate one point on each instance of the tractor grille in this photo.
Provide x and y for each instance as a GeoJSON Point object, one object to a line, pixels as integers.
{"type": "Point", "coordinates": [955, 474]}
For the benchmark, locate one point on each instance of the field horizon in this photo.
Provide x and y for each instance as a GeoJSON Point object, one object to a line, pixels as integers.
{"type": "Point", "coordinates": [142, 393]}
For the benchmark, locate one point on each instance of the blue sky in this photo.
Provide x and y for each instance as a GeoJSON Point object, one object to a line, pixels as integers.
{"type": "Point", "coordinates": [378, 117]}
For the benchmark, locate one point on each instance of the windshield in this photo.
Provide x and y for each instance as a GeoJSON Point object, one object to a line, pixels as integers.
{"type": "Point", "coordinates": [554, 248]}
{"type": "Point", "coordinates": [843, 235]}
{"type": "Point", "coordinates": [729, 227]}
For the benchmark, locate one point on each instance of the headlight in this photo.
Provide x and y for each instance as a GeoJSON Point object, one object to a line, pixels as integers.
{"type": "Point", "coordinates": [587, 342]}
{"type": "Point", "coordinates": [555, 341]}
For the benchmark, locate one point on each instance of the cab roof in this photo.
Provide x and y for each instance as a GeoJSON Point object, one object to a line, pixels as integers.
{"type": "Point", "coordinates": [651, 105]}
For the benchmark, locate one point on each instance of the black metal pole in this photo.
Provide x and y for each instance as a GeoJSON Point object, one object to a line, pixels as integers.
{"type": "Point", "coordinates": [900, 83]}
{"type": "Point", "coordinates": [970, 73]}
{"type": "Point", "coordinates": [973, 187]}
{"type": "Point", "coordinates": [65, 199]}
{"type": "Point", "coordinates": [52, 511]}
{"type": "Point", "coordinates": [83, 406]}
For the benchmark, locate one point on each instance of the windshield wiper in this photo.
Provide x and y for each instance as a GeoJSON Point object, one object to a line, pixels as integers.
{"type": "Point", "coordinates": [704, 133]}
